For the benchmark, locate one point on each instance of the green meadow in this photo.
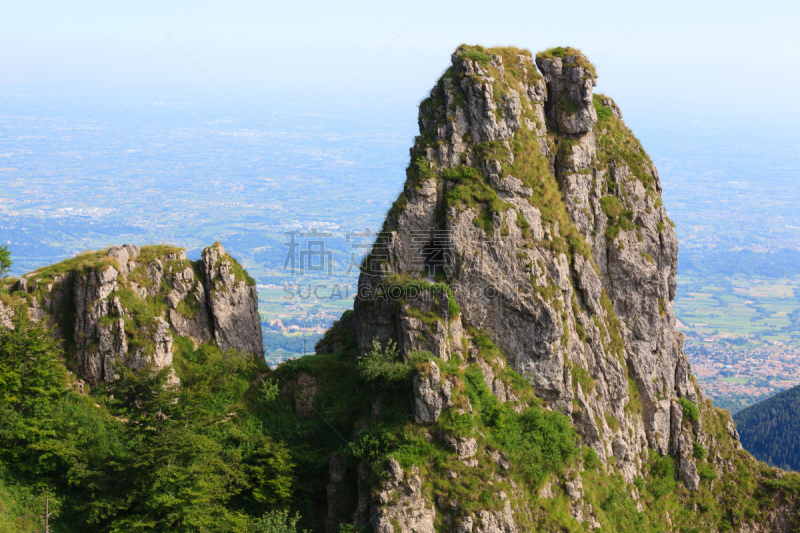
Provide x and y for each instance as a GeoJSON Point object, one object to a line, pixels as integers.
{"type": "Point", "coordinates": [737, 307]}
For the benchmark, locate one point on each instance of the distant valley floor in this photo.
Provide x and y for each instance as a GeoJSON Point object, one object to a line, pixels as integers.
{"type": "Point", "coordinates": [743, 336]}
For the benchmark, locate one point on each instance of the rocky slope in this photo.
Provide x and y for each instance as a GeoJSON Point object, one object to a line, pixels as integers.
{"type": "Point", "coordinates": [531, 244]}
{"type": "Point", "coordinates": [129, 303]}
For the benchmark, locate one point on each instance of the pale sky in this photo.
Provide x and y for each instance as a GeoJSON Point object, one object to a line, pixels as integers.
{"type": "Point", "coordinates": [708, 56]}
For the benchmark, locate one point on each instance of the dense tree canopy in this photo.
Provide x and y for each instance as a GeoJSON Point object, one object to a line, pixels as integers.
{"type": "Point", "coordinates": [770, 429]}
{"type": "Point", "coordinates": [139, 454]}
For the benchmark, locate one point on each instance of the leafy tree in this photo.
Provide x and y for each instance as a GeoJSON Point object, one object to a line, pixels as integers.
{"type": "Point", "coordinates": [5, 260]}
{"type": "Point", "coordinates": [276, 522]}
{"type": "Point", "coordinates": [157, 458]}
{"type": "Point", "coordinates": [384, 366]}
{"type": "Point", "coordinates": [31, 372]}
{"type": "Point", "coordinates": [32, 378]}
{"type": "Point", "coordinates": [192, 467]}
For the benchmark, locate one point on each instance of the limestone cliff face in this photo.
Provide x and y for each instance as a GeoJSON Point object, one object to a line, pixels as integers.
{"type": "Point", "coordinates": [553, 292]}
{"type": "Point", "coordinates": [127, 304]}
{"type": "Point", "coordinates": [233, 304]}
{"type": "Point", "coordinates": [532, 201]}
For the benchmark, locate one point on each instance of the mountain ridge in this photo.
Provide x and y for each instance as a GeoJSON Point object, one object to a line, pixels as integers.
{"type": "Point", "coordinates": [769, 429]}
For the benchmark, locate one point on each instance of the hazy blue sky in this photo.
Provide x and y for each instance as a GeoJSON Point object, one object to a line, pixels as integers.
{"type": "Point", "coordinates": [704, 54]}
{"type": "Point", "coordinates": [96, 90]}
{"type": "Point", "coordinates": [726, 73]}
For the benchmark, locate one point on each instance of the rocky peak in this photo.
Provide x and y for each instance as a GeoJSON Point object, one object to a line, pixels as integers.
{"type": "Point", "coordinates": [233, 301]}
{"type": "Point", "coordinates": [125, 256]}
{"type": "Point", "coordinates": [545, 213]}
{"type": "Point", "coordinates": [570, 79]}
{"type": "Point", "coordinates": [527, 272]}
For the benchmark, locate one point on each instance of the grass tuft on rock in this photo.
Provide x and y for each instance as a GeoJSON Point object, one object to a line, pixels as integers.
{"type": "Point", "coordinates": [568, 56]}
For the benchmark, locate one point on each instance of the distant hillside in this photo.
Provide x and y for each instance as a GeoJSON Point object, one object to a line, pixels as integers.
{"type": "Point", "coordinates": [779, 264]}
{"type": "Point", "coordinates": [770, 430]}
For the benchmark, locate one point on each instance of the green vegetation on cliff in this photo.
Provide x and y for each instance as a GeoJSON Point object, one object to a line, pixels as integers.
{"type": "Point", "coordinates": [618, 146]}
{"type": "Point", "coordinates": [5, 260]}
{"type": "Point", "coordinates": [568, 55]}
{"type": "Point", "coordinates": [322, 442]}
{"type": "Point", "coordinates": [525, 161]}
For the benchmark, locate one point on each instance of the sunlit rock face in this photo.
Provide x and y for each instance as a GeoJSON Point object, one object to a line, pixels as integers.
{"type": "Point", "coordinates": [127, 304]}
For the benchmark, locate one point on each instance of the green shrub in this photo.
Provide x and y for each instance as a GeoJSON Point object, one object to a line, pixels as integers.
{"type": "Point", "coordinates": [706, 472]}
{"type": "Point", "coordinates": [620, 509]}
{"type": "Point", "coordinates": [626, 220]}
{"type": "Point", "coordinates": [604, 114]}
{"type": "Point", "coordinates": [453, 308]}
{"type": "Point", "coordinates": [619, 218]}
{"type": "Point", "coordinates": [789, 483]}
{"type": "Point", "coordinates": [536, 441]}
{"type": "Point", "coordinates": [612, 422]}
{"type": "Point", "coordinates": [372, 445]}
{"type": "Point", "coordinates": [413, 287]}
{"type": "Point", "coordinates": [20, 508]}
{"type": "Point", "coordinates": [539, 441]}
{"type": "Point", "coordinates": [700, 451]}
{"type": "Point", "coordinates": [662, 477]}
{"type": "Point", "coordinates": [475, 55]}
{"type": "Point", "coordinates": [612, 232]}
{"type": "Point", "coordinates": [383, 366]}
{"type": "Point", "coordinates": [612, 206]}
{"type": "Point", "coordinates": [690, 411]}
{"type": "Point", "coordinates": [413, 449]}
{"type": "Point", "coordinates": [457, 424]}
{"type": "Point", "coordinates": [590, 459]}
{"type": "Point", "coordinates": [276, 522]}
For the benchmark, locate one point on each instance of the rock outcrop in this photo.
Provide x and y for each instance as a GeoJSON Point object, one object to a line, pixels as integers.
{"type": "Point", "coordinates": [402, 504]}
{"type": "Point", "coordinates": [587, 285]}
{"type": "Point", "coordinates": [233, 303]}
{"type": "Point", "coordinates": [532, 220]}
{"type": "Point", "coordinates": [127, 304]}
